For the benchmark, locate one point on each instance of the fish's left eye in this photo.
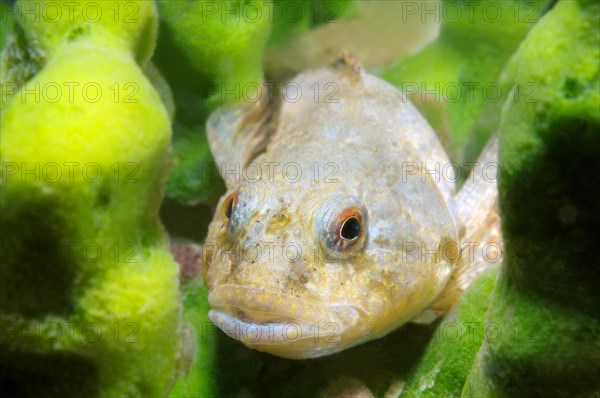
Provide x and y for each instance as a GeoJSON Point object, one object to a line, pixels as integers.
{"type": "Point", "coordinates": [347, 227]}
{"type": "Point", "coordinates": [351, 229]}
{"type": "Point", "coordinates": [341, 227]}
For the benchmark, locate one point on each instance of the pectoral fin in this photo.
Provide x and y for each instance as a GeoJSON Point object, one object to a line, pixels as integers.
{"type": "Point", "coordinates": [237, 134]}
{"type": "Point", "coordinates": [475, 209]}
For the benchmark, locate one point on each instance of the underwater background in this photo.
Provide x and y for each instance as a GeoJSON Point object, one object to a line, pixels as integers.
{"type": "Point", "coordinates": [107, 179]}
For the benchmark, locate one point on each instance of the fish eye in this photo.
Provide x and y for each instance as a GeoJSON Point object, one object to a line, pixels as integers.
{"type": "Point", "coordinates": [229, 206]}
{"type": "Point", "coordinates": [341, 227]}
{"type": "Point", "coordinates": [350, 229]}
{"type": "Point", "coordinates": [346, 227]}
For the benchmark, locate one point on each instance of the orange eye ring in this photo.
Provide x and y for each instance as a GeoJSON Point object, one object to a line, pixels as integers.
{"type": "Point", "coordinates": [229, 206]}
{"type": "Point", "coordinates": [341, 227]}
{"type": "Point", "coordinates": [349, 226]}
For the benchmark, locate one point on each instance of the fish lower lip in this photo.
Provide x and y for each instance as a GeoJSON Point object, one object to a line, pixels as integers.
{"type": "Point", "coordinates": [272, 332]}
{"type": "Point", "coordinates": [258, 316]}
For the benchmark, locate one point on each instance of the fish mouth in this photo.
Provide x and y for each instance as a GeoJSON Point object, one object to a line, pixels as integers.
{"type": "Point", "coordinates": [269, 320]}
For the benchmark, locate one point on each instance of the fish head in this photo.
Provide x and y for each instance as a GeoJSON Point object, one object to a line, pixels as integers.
{"type": "Point", "coordinates": [327, 239]}
{"type": "Point", "coordinates": [305, 269]}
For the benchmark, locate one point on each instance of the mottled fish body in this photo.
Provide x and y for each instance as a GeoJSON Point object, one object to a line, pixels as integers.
{"type": "Point", "coordinates": [332, 232]}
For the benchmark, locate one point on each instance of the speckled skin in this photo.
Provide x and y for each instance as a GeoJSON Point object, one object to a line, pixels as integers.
{"type": "Point", "coordinates": [273, 283]}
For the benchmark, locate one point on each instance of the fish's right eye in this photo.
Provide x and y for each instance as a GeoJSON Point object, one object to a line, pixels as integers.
{"type": "Point", "coordinates": [229, 206]}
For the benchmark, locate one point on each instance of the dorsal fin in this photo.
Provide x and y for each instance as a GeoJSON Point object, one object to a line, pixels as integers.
{"type": "Point", "coordinates": [349, 65]}
{"type": "Point", "coordinates": [237, 134]}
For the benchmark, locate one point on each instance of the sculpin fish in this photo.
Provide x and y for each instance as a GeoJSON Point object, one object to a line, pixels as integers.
{"type": "Point", "coordinates": [340, 222]}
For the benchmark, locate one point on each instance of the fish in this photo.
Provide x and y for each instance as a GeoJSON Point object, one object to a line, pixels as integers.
{"type": "Point", "coordinates": [341, 221]}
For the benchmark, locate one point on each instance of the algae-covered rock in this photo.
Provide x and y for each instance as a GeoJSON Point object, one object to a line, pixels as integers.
{"type": "Point", "coordinates": [291, 18]}
{"type": "Point", "coordinates": [89, 291]}
{"type": "Point", "coordinates": [455, 80]}
{"type": "Point", "coordinates": [548, 289]}
{"type": "Point", "coordinates": [43, 28]}
{"type": "Point", "coordinates": [195, 178]}
{"type": "Point", "coordinates": [162, 88]}
{"type": "Point", "coordinates": [445, 364]}
{"type": "Point", "coordinates": [221, 42]}
{"type": "Point", "coordinates": [200, 375]}
{"type": "Point", "coordinates": [210, 53]}
{"type": "Point", "coordinates": [130, 26]}
{"type": "Point", "coordinates": [5, 23]}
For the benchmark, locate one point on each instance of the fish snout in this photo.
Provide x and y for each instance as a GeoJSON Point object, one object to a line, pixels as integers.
{"type": "Point", "coordinates": [279, 323]}
{"type": "Point", "coordinates": [259, 305]}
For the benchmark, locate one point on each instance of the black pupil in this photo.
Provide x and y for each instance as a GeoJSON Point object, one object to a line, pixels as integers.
{"type": "Point", "coordinates": [350, 229]}
{"type": "Point", "coordinates": [229, 209]}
